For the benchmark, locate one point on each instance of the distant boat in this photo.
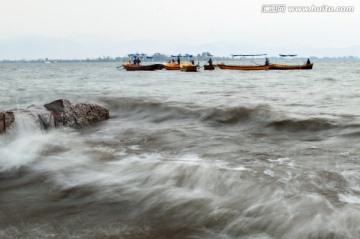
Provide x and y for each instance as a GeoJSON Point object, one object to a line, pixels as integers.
{"type": "Point", "coordinates": [133, 67]}
{"type": "Point", "coordinates": [174, 65]}
{"type": "Point", "coordinates": [130, 66]}
{"type": "Point", "coordinates": [291, 67]}
{"type": "Point", "coordinates": [223, 66]}
{"type": "Point", "coordinates": [305, 66]}
{"type": "Point", "coordinates": [209, 67]}
{"type": "Point", "coordinates": [188, 67]}
{"type": "Point", "coordinates": [171, 66]}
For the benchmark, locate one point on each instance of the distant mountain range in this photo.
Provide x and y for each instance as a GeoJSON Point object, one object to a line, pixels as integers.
{"type": "Point", "coordinates": [34, 47]}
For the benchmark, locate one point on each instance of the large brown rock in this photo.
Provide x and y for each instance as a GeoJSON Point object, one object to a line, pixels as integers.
{"type": "Point", "coordinates": [57, 113]}
{"type": "Point", "coordinates": [6, 120]}
{"type": "Point", "coordinates": [67, 114]}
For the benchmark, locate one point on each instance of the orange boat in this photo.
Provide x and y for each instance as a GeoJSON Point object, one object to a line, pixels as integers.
{"type": "Point", "coordinates": [171, 66]}
{"type": "Point", "coordinates": [255, 67]}
{"type": "Point", "coordinates": [176, 65]}
{"type": "Point", "coordinates": [306, 66]}
{"type": "Point", "coordinates": [222, 66]}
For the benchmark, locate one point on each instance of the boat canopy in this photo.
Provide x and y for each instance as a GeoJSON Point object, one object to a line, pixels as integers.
{"type": "Point", "coordinates": [250, 55]}
{"type": "Point", "coordinates": [186, 55]}
{"type": "Point", "coordinates": [282, 55]}
{"type": "Point", "coordinates": [137, 55]}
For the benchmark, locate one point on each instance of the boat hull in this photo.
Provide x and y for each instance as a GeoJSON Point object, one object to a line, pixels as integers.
{"type": "Point", "coordinates": [209, 68]}
{"type": "Point", "coordinates": [159, 66]}
{"type": "Point", "coordinates": [290, 67]}
{"type": "Point", "coordinates": [172, 66]}
{"type": "Point", "coordinates": [189, 68]}
{"type": "Point", "coordinates": [243, 68]}
{"type": "Point", "coordinates": [132, 67]}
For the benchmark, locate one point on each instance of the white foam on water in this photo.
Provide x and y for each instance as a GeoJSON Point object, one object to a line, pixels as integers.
{"type": "Point", "coordinates": [283, 161]}
{"type": "Point", "coordinates": [43, 151]}
{"type": "Point", "coordinates": [269, 172]}
{"type": "Point", "coordinates": [225, 165]}
{"type": "Point", "coordinates": [286, 179]}
{"type": "Point", "coordinates": [25, 122]}
{"type": "Point", "coordinates": [280, 160]}
{"type": "Point", "coordinates": [240, 168]}
{"type": "Point", "coordinates": [122, 152]}
{"type": "Point", "coordinates": [349, 198]}
{"type": "Point", "coordinates": [138, 159]}
{"type": "Point", "coordinates": [22, 151]}
{"type": "Point", "coordinates": [344, 154]}
{"type": "Point", "coordinates": [352, 177]}
{"type": "Point", "coordinates": [187, 159]}
{"type": "Point", "coordinates": [190, 158]}
{"type": "Point", "coordinates": [134, 147]}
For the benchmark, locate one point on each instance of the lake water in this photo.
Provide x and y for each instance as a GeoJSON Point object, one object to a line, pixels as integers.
{"type": "Point", "coordinates": [210, 154]}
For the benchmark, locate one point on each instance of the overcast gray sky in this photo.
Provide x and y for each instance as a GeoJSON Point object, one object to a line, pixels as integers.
{"type": "Point", "coordinates": [188, 23]}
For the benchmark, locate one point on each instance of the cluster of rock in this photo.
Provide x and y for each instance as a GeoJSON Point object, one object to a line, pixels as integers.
{"type": "Point", "coordinates": [55, 114]}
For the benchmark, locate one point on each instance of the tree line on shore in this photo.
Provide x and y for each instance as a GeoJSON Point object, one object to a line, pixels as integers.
{"type": "Point", "coordinates": [159, 57]}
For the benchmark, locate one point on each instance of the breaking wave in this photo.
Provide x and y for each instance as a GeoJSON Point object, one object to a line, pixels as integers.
{"type": "Point", "coordinates": [263, 116]}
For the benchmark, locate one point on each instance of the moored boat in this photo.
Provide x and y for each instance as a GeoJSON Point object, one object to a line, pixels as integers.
{"type": "Point", "coordinates": [222, 66]}
{"type": "Point", "coordinates": [254, 67]}
{"type": "Point", "coordinates": [134, 63]}
{"type": "Point", "coordinates": [134, 67]}
{"type": "Point", "coordinates": [159, 66]}
{"type": "Point", "coordinates": [171, 66]}
{"type": "Point", "coordinates": [291, 67]}
{"type": "Point", "coordinates": [209, 67]}
{"type": "Point", "coordinates": [305, 66]}
{"type": "Point", "coordinates": [176, 64]}
{"type": "Point", "coordinates": [188, 67]}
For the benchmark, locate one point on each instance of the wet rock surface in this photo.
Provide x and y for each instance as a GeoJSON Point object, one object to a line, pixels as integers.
{"type": "Point", "coordinates": [67, 114]}
{"type": "Point", "coordinates": [55, 114]}
{"type": "Point", "coordinates": [6, 120]}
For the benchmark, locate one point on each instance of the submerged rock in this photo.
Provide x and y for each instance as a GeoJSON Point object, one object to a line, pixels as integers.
{"type": "Point", "coordinates": [55, 114]}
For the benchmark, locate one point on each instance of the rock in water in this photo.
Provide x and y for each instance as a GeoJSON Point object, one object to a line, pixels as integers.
{"type": "Point", "coordinates": [6, 120]}
{"type": "Point", "coordinates": [90, 113]}
{"type": "Point", "coordinates": [57, 113]}
{"type": "Point", "coordinates": [67, 114]}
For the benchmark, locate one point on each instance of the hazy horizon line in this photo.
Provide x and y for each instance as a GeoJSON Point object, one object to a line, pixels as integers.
{"type": "Point", "coordinates": [114, 59]}
{"type": "Point", "coordinates": [38, 47]}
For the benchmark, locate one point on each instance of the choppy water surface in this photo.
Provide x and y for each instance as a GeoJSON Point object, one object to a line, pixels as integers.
{"type": "Point", "coordinates": [217, 154]}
